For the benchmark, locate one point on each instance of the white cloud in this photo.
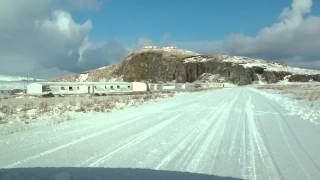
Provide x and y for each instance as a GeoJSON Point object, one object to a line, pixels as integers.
{"type": "Point", "coordinates": [295, 36]}
{"type": "Point", "coordinates": [39, 37]}
{"type": "Point", "coordinates": [294, 39]}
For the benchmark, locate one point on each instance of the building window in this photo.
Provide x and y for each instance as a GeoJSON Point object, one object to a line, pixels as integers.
{"type": "Point", "coordinates": [118, 86]}
{"type": "Point", "coordinates": [129, 87]}
{"type": "Point", "coordinates": [78, 88]}
{"type": "Point", "coordinates": [105, 87]}
{"type": "Point", "coordinates": [95, 87]}
{"type": "Point", "coordinates": [111, 87]}
{"type": "Point", "coordinates": [46, 89]}
{"type": "Point", "coordinates": [70, 88]}
{"type": "Point", "coordinates": [62, 88]}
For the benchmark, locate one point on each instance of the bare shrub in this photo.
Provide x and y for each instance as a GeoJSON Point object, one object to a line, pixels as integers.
{"type": "Point", "coordinates": [3, 119]}
{"type": "Point", "coordinates": [43, 107]}
{"type": "Point", "coordinates": [108, 105]}
{"type": "Point", "coordinates": [147, 97]}
{"type": "Point", "coordinates": [81, 108]}
{"type": "Point", "coordinates": [7, 110]}
{"type": "Point", "coordinates": [25, 118]}
{"type": "Point", "coordinates": [309, 91]}
{"type": "Point", "coordinates": [73, 102]}
{"type": "Point", "coordinates": [27, 107]}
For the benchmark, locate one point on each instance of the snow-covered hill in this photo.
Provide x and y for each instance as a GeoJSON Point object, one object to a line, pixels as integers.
{"type": "Point", "coordinates": [17, 78]}
{"type": "Point", "coordinates": [246, 62]}
{"type": "Point", "coordinates": [241, 60]}
{"type": "Point", "coordinates": [169, 64]}
{"type": "Point", "coordinates": [268, 65]}
{"type": "Point", "coordinates": [15, 82]}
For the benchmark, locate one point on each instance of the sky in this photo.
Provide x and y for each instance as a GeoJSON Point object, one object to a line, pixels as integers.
{"type": "Point", "coordinates": [50, 38]}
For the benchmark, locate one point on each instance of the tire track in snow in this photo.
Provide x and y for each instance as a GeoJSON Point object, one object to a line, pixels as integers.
{"type": "Point", "coordinates": [35, 145]}
{"type": "Point", "coordinates": [58, 148]}
{"type": "Point", "coordinates": [232, 150]}
{"type": "Point", "coordinates": [278, 169]}
{"type": "Point", "coordinates": [179, 147]}
{"type": "Point", "coordinates": [74, 133]}
{"type": "Point", "coordinates": [204, 125]}
{"type": "Point", "coordinates": [127, 140]}
{"type": "Point", "coordinates": [182, 153]}
{"type": "Point", "coordinates": [298, 142]}
{"type": "Point", "coordinates": [188, 147]}
{"type": "Point", "coordinates": [136, 140]}
{"type": "Point", "coordinates": [184, 106]}
{"type": "Point", "coordinates": [186, 160]}
{"type": "Point", "coordinates": [286, 140]}
{"type": "Point", "coordinates": [202, 142]}
{"type": "Point", "coordinates": [301, 146]}
{"type": "Point", "coordinates": [122, 143]}
{"type": "Point", "coordinates": [208, 136]}
{"type": "Point", "coordinates": [227, 120]}
{"type": "Point", "coordinates": [256, 140]}
{"type": "Point", "coordinates": [243, 150]}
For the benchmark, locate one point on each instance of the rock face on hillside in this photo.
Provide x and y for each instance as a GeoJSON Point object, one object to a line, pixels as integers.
{"type": "Point", "coordinates": [163, 65]}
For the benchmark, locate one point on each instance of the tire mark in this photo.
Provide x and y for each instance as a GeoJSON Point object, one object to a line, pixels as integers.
{"type": "Point", "coordinates": [126, 141]}
{"type": "Point", "coordinates": [187, 156]}
{"type": "Point", "coordinates": [295, 137]}
{"type": "Point", "coordinates": [257, 139]}
{"type": "Point", "coordinates": [226, 117]}
{"type": "Point", "coordinates": [289, 147]}
{"type": "Point", "coordinates": [137, 139]}
{"type": "Point", "coordinates": [268, 149]}
{"type": "Point", "coordinates": [50, 140]}
{"type": "Point", "coordinates": [58, 148]}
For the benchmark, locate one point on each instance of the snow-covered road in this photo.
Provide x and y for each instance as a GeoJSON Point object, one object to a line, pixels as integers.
{"type": "Point", "coordinates": [228, 132]}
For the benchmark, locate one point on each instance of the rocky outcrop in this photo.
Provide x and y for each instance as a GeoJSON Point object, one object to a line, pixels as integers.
{"type": "Point", "coordinates": [230, 72]}
{"type": "Point", "coordinates": [178, 66]}
{"type": "Point", "coordinates": [208, 77]}
{"type": "Point", "coordinates": [155, 66]}
{"type": "Point", "coordinates": [274, 76]}
{"type": "Point", "coordinates": [304, 78]}
{"type": "Point", "coordinates": [300, 78]}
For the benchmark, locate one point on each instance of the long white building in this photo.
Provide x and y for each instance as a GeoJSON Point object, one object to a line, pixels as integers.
{"type": "Point", "coordinates": [101, 88]}
{"type": "Point", "coordinates": [65, 88]}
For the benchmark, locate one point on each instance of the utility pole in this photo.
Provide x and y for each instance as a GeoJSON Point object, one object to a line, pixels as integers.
{"type": "Point", "coordinates": [25, 89]}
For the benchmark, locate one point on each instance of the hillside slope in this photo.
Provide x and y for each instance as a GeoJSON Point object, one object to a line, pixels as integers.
{"type": "Point", "coordinates": [175, 65]}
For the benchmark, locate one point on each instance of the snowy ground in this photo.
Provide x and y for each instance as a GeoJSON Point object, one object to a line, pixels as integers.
{"type": "Point", "coordinates": [26, 112]}
{"type": "Point", "coordinates": [242, 132]}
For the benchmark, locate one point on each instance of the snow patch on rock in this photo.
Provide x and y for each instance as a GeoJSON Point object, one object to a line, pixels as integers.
{"type": "Point", "coordinates": [267, 65]}
{"type": "Point", "coordinates": [170, 50]}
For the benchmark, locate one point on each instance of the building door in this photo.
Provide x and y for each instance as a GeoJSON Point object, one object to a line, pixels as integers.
{"type": "Point", "coordinates": [88, 89]}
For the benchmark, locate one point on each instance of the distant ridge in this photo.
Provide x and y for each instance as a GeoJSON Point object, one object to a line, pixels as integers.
{"type": "Point", "coordinates": [8, 78]}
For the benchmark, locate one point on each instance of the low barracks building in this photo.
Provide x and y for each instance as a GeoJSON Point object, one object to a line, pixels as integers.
{"type": "Point", "coordinates": [65, 88]}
